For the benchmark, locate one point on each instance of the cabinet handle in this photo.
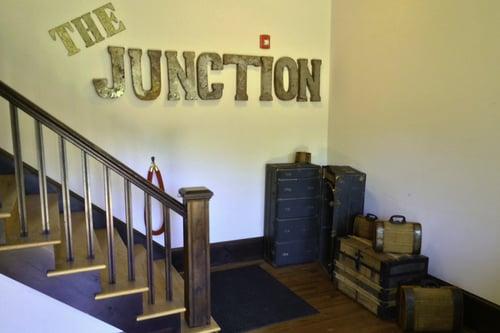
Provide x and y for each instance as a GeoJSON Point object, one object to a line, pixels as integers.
{"type": "Point", "coordinates": [285, 254]}
{"type": "Point", "coordinates": [287, 189]}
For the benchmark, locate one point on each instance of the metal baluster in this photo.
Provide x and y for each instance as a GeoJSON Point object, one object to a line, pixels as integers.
{"type": "Point", "coordinates": [42, 177]}
{"type": "Point", "coordinates": [18, 165]}
{"type": "Point", "coordinates": [168, 253]}
{"type": "Point", "coordinates": [88, 205]}
{"type": "Point", "coordinates": [149, 249]}
{"type": "Point", "coordinates": [109, 227]}
{"type": "Point", "coordinates": [66, 201]}
{"type": "Point", "coordinates": [130, 231]}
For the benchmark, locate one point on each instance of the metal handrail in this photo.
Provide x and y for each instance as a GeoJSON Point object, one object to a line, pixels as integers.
{"type": "Point", "coordinates": [90, 148]}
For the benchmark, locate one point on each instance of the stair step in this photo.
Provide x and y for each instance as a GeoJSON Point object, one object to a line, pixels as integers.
{"type": "Point", "coordinates": [8, 195]}
{"type": "Point", "coordinates": [162, 307]}
{"type": "Point", "coordinates": [36, 237]}
{"type": "Point", "coordinates": [122, 286]}
{"type": "Point", "coordinates": [80, 263]}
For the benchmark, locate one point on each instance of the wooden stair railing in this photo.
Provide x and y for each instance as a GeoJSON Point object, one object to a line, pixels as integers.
{"type": "Point", "coordinates": [194, 209]}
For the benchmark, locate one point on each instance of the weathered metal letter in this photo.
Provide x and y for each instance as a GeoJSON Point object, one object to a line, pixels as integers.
{"type": "Point", "coordinates": [202, 72]}
{"type": "Point", "coordinates": [177, 75]}
{"type": "Point", "coordinates": [62, 33]}
{"type": "Point", "coordinates": [242, 63]}
{"type": "Point", "coordinates": [136, 69]}
{"type": "Point", "coordinates": [266, 79]}
{"type": "Point", "coordinates": [118, 74]}
{"type": "Point", "coordinates": [90, 27]}
{"type": "Point", "coordinates": [107, 19]}
{"type": "Point", "coordinates": [293, 78]}
{"type": "Point", "coordinates": [308, 80]}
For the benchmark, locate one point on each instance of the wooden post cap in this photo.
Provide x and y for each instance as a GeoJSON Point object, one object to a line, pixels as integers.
{"type": "Point", "coordinates": [195, 193]}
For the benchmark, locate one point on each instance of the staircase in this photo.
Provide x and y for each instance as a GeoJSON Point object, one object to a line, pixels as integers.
{"type": "Point", "coordinates": [48, 244]}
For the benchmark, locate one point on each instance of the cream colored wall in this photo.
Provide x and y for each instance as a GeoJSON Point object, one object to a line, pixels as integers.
{"type": "Point", "coordinates": [416, 104]}
{"type": "Point", "coordinates": [223, 144]}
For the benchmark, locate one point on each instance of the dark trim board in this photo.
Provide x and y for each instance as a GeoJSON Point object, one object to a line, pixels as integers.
{"type": "Point", "coordinates": [480, 314]}
{"type": "Point", "coordinates": [229, 252]}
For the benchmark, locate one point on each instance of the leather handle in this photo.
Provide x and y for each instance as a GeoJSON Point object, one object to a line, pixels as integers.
{"type": "Point", "coordinates": [397, 219]}
{"type": "Point", "coordinates": [371, 217]}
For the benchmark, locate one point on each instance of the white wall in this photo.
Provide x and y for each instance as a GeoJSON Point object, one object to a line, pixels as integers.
{"type": "Point", "coordinates": [416, 104]}
{"type": "Point", "coordinates": [37, 310]}
{"type": "Point", "coordinates": [223, 144]}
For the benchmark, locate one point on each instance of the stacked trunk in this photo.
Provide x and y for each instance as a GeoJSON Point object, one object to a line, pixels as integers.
{"type": "Point", "coordinates": [372, 278]}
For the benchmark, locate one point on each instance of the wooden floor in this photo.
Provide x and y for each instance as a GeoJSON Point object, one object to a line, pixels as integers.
{"type": "Point", "coordinates": [337, 313]}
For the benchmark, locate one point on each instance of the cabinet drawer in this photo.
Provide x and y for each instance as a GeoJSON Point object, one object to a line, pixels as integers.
{"type": "Point", "coordinates": [297, 188]}
{"type": "Point", "coordinates": [295, 208]}
{"type": "Point", "coordinates": [296, 229]}
{"type": "Point", "coordinates": [298, 173]}
{"type": "Point", "coordinates": [288, 253]}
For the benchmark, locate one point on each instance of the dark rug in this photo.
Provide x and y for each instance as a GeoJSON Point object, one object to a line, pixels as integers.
{"type": "Point", "coordinates": [247, 298]}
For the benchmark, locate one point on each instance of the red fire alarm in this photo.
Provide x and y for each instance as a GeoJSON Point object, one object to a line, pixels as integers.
{"type": "Point", "coordinates": [265, 41]}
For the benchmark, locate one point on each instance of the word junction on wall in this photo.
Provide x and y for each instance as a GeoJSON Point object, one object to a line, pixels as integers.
{"type": "Point", "coordinates": [193, 77]}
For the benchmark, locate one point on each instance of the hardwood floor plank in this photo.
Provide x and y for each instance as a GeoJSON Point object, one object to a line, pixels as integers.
{"type": "Point", "coordinates": [337, 313]}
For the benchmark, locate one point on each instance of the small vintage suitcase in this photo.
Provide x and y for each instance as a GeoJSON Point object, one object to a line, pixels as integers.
{"type": "Point", "coordinates": [397, 236]}
{"type": "Point", "coordinates": [375, 276]}
{"type": "Point", "coordinates": [302, 157]}
{"type": "Point", "coordinates": [435, 309]}
{"type": "Point", "coordinates": [364, 226]}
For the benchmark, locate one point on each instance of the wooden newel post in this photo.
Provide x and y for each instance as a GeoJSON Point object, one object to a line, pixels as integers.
{"type": "Point", "coordinates": [196, 255]}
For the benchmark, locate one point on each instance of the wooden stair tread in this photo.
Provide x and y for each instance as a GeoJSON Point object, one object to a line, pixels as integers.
{"type": "Point", "coordinates": [80, 263]}
{"type": "Point", "coordinates": [122, 285]}
{"type": "Point", "coordinates": [8, 195]}
{"type": "Point", "coordinates": [162, 307]}
{"type": "Point", "coordinates": [36, 237]}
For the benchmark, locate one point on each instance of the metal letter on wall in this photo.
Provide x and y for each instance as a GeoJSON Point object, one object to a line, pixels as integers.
{"type": "Point", "coordinates": [118, 74]}
{"type": "Point", "coordinates": [177, 75]}
{"type": "Point", "coordinates": [62, 33]}
{"type": "Point", "coordinates": [293, 78]}
{"type": "Point", "coordinates": [91, 28]}
{"type": "Point", "coordinates": [107, 20]}
{"type": "Point", "coordinates": [202, 72]}
{"type": "Point", "coordinates": [308, 80]}
{"type": "Point", "coordinates": [266, 79]}
{"type": "Point", "coordinates": [136, 69]}
{"type": "Point", "coordinates": [241, 62]}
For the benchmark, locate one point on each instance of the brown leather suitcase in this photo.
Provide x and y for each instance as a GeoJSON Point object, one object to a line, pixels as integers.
{"type": "Point", "coordinates": [397, 236]}
{"type": "Point", "coordinates": [425, 309]}
{"type": "Point", "coordinates": [364, 226]}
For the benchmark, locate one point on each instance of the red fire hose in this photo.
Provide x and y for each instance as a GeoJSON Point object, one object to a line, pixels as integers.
{"type": "Point", "coordinates": [155, 171]}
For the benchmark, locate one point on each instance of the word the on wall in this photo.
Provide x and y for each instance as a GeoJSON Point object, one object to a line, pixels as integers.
{"type": "Point", "coordinates": [87, 28]}
{"type": "Point", "coordinates": [193, 77]}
